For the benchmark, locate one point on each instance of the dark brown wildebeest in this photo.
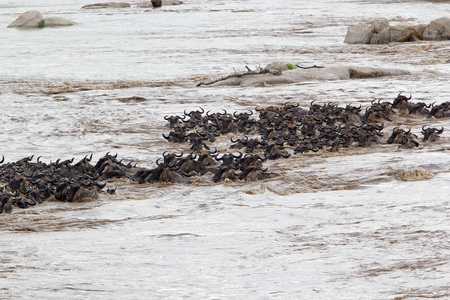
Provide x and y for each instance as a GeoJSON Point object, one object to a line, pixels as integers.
{"type": "Point", "coordinates": [431, 134]}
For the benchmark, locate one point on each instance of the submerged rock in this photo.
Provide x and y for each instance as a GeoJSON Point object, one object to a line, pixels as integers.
{"type": "Point", "coordinates": [107, 5]}
{"type": "Point", "coordinates": [331, 72]}
{"type": "Point", "coordinates": [57, 21]}
{"type": "Point", "coordinates": [29, 19]}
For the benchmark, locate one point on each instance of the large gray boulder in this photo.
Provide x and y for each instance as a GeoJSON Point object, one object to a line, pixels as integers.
{"type": "Point", "coordinates": [358, 34]}
{"type": "Point", "coordinates": [34, 19]}
{"type": "Point", "coordinates": [57, 21]}
{"type": "Point", "coordinates": [363, 34]}
{"type": "Point", "coordinates": [437, 30]}
{"type": "Point", "coordinates": [29, 19]}
{"type": "Point", "coordinates": [380, 32]}
{"type": "Point", "coordinates": [107, 5]}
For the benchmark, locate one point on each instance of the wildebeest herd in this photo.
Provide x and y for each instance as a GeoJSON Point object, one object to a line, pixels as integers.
{"type": "Point", "coordinates": [277, 132]}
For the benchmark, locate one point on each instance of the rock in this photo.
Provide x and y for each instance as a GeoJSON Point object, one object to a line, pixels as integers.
{"type": "Point", "coordinates": [358, 34]}
{"type": "Point", "coordinates": [57, 21]}
{"type": "Point", "coordinates": [380, 32]}
{"type": "Point", "coordinates": [437, 30]}
{"type": "Point", "coordinates": [378, 25]}
{"type": "Point", "coordinates": [29, 19]}
{"type": "Point", "coordinates": [171, 2]}
{"type": "Point", "coordinates": [280, 66]}
{"type": "Point", "coordinates": [107, 5]}
{"type": "Point", "coordinates": [367, 72]}
{"type": "Point", "coordinates": [388, 35]}
{"type": "Point", "coordinates": [331, 72]}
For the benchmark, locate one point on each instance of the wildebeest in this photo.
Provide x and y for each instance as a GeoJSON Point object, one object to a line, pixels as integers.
{"type": "Point", "coordinates": [431, 134]}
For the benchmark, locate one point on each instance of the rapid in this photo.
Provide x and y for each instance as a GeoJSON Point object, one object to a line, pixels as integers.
{"type": "Point", "coordinates": [362, 223]}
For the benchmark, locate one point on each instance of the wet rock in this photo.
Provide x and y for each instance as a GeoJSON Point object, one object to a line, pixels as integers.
{"type": "Point", "coordinates": [380, 32]}
{"type": "Point", "coordinates": [107, 5]}
{"type": "Point", "coordinates": [330, 72]}
{"type": "Point", "coordinates": [388, 35]}
{"type": "Point", "coordinates": [358, 34]}
{"type": "Point", "coordinates": [280, 66]}
{"type": "Point", "coordinates": [378, 25]}
{"type": "Point", "coordinates": [171, 2]}
{"type": "Point", "coordinates": [57, 21]}
{"type": "Point", "coordinates": [367, 72]}
{"type": "Point", "coordinates": [29, 19]}
{"type": "Point", "coordinates": [438, 30]}
{"type": "Point", "coordinates": [34, 19]}
{"type": "Point", "coordinates": [363, 34]}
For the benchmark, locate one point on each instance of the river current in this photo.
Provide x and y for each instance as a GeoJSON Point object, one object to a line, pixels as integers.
{"type": "Point", "coordinates": [363, 223]}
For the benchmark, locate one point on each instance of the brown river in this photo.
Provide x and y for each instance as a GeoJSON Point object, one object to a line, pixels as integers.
{"type": "Point", "coordinates": [361, 223]}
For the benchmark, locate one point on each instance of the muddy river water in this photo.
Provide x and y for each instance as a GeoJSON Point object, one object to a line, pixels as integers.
{"type": "Point", "coordinates": [362, 223]}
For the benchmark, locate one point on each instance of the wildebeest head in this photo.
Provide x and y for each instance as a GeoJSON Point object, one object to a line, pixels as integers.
{"type": "Point", "coordinates": [401, 102]}
{"type": "Point", "coordinates": [431, 134]}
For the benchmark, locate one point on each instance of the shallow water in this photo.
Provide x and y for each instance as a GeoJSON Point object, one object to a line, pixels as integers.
{"type": "Point", "coordinates": [333, 226]}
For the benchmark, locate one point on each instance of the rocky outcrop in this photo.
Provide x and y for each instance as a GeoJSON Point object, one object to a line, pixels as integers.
{"type": "Point", "coordinates": [380, 32]}
{"type": "Point", "coordinates": [34, 19]}
{"type": "Point", "coordinates": [107, 5]}
{"type": "Point", "coordinates": [363, 34]}
{"type": "Point", "coordinates": [331, 72]}
{"type": "Point", "coordinates": [437, 30]}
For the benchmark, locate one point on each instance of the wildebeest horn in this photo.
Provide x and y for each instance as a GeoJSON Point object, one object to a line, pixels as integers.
{"type": "Point", "coordinates": [440, 130]}
{"type": "Point", "coordinates": [423, 127]}
{"type": "Point", "coordinates": [166, 118]}
{"type": "Point", "coordinates": [2, 160]}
